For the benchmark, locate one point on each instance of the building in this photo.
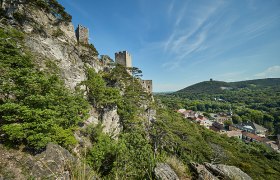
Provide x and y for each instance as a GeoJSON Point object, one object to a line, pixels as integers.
{"type": "Point", "coordinates": [181, 111]}
{"type": "Point", "coordinates": [278, 140]}
{"type": "Point", "coordinates": [221, 117]}
{"type": "Point", "coordinates": [205, 122]}
{"type": "Point", "coordinates": [123, 58]}
{"type": "Point", "coordinates": [147, 85]}
{"type": "Point", "coordinates": [272, 145]}
{"type": "Point", "coordinates": [190, 114]}
{"type": "Point", "coordinates": [250, 127]}
{"type": "Point", "coordinates": [250, 137]}
{"type": "Point", "coordinates": [257, 129]}
{"type": "Point", "coordinates": [82, 34]}
{"type": "Point", "coordinates": [234, 133]}
{"type": "Point", "coordinates": [216, 126]}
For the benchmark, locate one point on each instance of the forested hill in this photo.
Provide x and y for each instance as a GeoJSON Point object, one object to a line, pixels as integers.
{"type": "Point", "coordinates": [217, 87]}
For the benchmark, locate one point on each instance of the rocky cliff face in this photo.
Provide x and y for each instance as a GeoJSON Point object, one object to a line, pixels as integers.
{"type": "Point", "coordinates": [111, 121]}
{"type": "Point", "coordinates": [56, 41]}
{"type": "Point", "coordinates": [54, 163]}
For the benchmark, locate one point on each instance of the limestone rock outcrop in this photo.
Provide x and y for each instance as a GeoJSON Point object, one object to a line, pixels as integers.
{"type": "Point", "coordinates": [165, 172]}
{"type": "Point", "coordinates": [111, 121]}
{"type": "Point", "coordinates": [227, 172]}
{"type": "Point", "coordinates": [57, 42]}
{"type": "Point", "coordinates": [219, 171]}
{"type": "Point", "coordinates": [53, 163]}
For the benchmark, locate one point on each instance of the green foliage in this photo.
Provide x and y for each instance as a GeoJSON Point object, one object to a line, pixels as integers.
{"type": "Point", "coordinates": [20, 17]}
{"type": "Point", "coordinates": [131, 156]}
{"type": "Point", "coordinates": [103, 154]}
{"type": "Point", "coordinates": [176, 136]}
{"type": "Point", "coordinates": [135, 158]}
{"type": "Point", "coordinates": [98, 93]}
{"type": "Point", "coordinates": [58, 32]}
{"type": "Point", "coordinates": [53, 7]}
{"type": "Point", "coordinates": [35, 107]}
{"type": "Point", "coordinates": [128, 158]}
{"type": "Point", "coordinates": [91, 47]}
{"type": "Point", "coordinates": [256, 100]}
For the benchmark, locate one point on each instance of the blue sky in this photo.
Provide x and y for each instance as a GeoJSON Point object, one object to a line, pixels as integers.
{"type": "Point", "coordinates": [177, 43]}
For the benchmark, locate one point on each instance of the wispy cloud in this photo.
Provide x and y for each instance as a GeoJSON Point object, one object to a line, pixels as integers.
{"type": "Point", "coordinates": [271, 72]}
{"type": "Point", "coordinates": [208, 31]}
{"type": "Point", "coordinates": [189, 37]}
{"type": "Point", "coordinates": [170, 8]}
{"type": "Point", "coordinates": [258, 27]}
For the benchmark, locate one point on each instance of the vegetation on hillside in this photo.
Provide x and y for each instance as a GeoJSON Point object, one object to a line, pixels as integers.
{"type": "Point", "coordinates": [53, 7]}
{"type": "Point", "coordinates": [255, 100]}
{"type": "Point", "coordinates": [190, 142]}
{"type": "Point", "coordinates": [35, 106]}
{"type": "Point", "coordinates": [215, 87]}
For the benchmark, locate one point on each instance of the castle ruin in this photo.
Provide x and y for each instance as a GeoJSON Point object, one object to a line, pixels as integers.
{"type": "Point", "coordinates": [123, 58]}
{"type": "Point", "coordinates": [82, 34]}
{"type": "Point", "coordinates": [147, 85]}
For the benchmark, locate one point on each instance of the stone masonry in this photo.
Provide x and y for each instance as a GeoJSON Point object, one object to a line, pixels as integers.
{"type": "Point", "coordinates": [123, 58]}
{"type": "Point", "coordinates": [147, 85]}
{"type": "Point", "coordinates": [82, 34]}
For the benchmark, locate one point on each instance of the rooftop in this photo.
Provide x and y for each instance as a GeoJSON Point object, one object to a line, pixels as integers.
{"type": "Point", "coordinates": [252, 136]}
{"type": "Point", "coordinates": [233, 133]}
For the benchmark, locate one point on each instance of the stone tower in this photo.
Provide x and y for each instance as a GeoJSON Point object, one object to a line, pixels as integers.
{"type": "Point", "coordinates": [123, 58]}
{"type": "Point", "coordinates": [82, 34]}
{"type": "Point", "coordinates": [147, 85]}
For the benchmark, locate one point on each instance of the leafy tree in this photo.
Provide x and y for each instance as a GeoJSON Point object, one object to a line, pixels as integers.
{"type": "Point", "coordinates": [98, 93]}
{"type": "Point", "coordinates": [35, 106]}
{"type": "Point", "coordinates": [236, 119]}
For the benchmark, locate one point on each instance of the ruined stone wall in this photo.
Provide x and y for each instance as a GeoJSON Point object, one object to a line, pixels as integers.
{"type": "Point", "coordinates": [82, 34]}
{"type": "Point", "coordinates": [147, 85]}
{"type": "Point", "coordinates": [123, 58]}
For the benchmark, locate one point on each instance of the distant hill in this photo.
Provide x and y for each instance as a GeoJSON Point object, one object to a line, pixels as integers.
{"type": "Point", "coordinates": [215, 87]}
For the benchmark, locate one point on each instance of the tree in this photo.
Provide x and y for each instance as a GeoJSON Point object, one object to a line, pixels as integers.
{"type": "Point", "coordinates": [236, 119]}
{"type": "Point", "coordinates": [136, 73]}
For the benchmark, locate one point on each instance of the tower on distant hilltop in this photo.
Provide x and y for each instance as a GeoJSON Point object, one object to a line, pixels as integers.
{"type": "Point", "coordinates": [123, 58]}
{"type": "Point", "coordinates": [82, 34]}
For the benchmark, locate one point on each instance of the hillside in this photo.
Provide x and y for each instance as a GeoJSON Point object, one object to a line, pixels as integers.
{"type": "Point", "coordinates": [216, 87]}
{"type": "Point", "coordinates": [65, 114]}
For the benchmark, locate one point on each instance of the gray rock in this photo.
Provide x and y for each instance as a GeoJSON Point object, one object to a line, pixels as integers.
{"type": "Point", "coordinates": [227, 172]}
{"type": "Point", "coordinates": [55, 162]}
{"type": "Point", "coordinates": [164, 172]}
{"type": "Point", "coordinates": [202, 172]}
{"type": "Point", "coordinates": [219, 171]}
{"type": "Point", "coordinates": [111, 121]}
{"type": "Point", "coordinates": [63, 50]}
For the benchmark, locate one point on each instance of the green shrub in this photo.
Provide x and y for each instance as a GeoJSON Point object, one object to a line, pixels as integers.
{"type": "Point", "coordinates": [57, 33]}
{"type": "Point", "coordinates": [20, 17]}
{"type": "Point", "coordinates": [53, 7]}
{"type": "Point", "coordinates": [98, 93]}
{"type": "Point", "coordinates": [35, 106]}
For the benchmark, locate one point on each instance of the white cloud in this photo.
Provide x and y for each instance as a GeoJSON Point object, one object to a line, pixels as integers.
{"type": "Point", "coordinates": [185, 39]}
{"type": "Point", "coordinates": [271, 72]}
